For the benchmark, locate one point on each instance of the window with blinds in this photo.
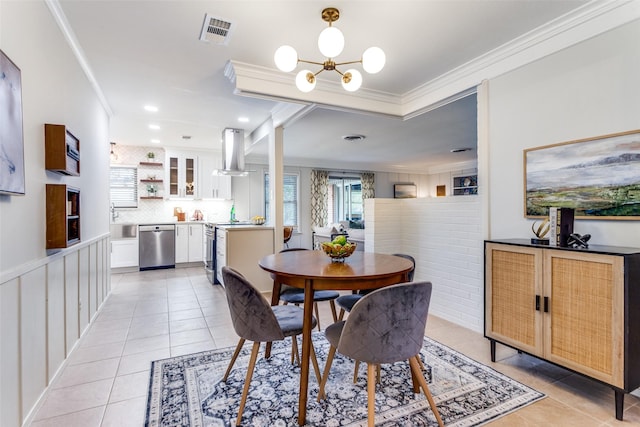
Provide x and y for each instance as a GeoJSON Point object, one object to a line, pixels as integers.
{"type": "Point", "coordinates": [291, 198]}
{"type": "Point", "coordinates": [123, 185]}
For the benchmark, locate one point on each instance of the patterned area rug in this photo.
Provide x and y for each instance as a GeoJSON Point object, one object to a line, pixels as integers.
{"type": "Point", "coordinates": [188, 391]}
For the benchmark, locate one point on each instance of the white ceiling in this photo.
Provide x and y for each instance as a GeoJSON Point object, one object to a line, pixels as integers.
{"type": "Point", "coordinates": [149, 52]}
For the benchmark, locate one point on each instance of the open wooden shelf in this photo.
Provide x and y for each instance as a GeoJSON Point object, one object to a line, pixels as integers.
{"type": "Point", "coordinates": [63, 216]}
{"type": "Point", "coordinates": [151, 197]}
{"type": "Point", "coordinates": [61, 150]}
{"type": "Point", "coordinates": [151, 180]}
{"type": "Point", "coordinates": [159, 164]}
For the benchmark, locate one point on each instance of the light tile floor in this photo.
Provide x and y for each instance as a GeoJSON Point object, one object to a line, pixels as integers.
{"type": "Point", "coordinates": [157, 314]}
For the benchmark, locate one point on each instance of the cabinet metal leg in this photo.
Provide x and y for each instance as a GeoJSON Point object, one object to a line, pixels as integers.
{"type": "Point", "coordinates": [493, 350]}
{"type": "Point", "coordinates": [619, 403]}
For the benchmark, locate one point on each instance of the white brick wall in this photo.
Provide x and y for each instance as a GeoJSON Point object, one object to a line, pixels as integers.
{"type": "Point", "coordinates": [444, 235]}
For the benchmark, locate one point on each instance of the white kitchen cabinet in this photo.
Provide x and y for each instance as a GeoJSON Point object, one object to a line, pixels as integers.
{"type": "Point", "coordinates": [195, 243]}
{"type": "Point", "coordinates": [182, 175]}
{"type": "Point", "coordinates": [241, 248]}
{"type": "Point", "coordinates": [189, 243]}
{"type": "Point", "coordinates": [124, 253]}
{"type": "Point", "coordinates": [212, 185]}
{"type": "Point", "coordinates": [182, 243]}
{"type": "Point", "coordinates": [221, 186]}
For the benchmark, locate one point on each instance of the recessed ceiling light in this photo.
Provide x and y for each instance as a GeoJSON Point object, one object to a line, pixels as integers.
{"type": "Point", "coordinates": [151, 108]}
{"type": "Point", "coordinates": [154, 127]}
{"type": "Point", "coordinates": [243, 119]}
{"type": "Point", "coordinates": [155, 141]}
{"type": "Point", "coordinates": [460, 150]}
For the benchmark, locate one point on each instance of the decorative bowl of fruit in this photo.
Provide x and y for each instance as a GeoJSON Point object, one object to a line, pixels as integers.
{"type": "Point", "coordinates": [339, 249]}
{"type": "Point", "coordinates": [258, 220]}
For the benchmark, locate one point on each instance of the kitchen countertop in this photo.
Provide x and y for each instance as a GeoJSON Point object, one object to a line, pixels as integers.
{"type": "Point", "coordinates": [231, 227]}
{"type": "Point", "coordinates": [170, 222]}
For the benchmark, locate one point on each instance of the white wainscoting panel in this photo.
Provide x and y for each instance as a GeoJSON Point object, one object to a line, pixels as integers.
{"type": "Point", "coordinates": [44, 306]}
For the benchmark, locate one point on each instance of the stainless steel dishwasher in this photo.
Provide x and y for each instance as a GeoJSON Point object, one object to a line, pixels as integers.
{"type": "Point", "coordinates": [157, 246]}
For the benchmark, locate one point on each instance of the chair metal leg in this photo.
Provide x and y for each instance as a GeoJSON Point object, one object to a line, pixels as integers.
{"type": "Point", "coordinates": [325, 375]}
{"type": "Point", "coordinates": [415, 368]}
{"type": "Point", "coordinates": [247, 381]}
{"type": "Point", "coordinates": [233, 358]}
{"type": "Point", "coordinates": [371, 394]}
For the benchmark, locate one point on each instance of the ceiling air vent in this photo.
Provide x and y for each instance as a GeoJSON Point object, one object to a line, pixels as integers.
{"type": "Point", "coordinates": [353, 138]}
{"type": "Point", "coordinates": [216, 30]}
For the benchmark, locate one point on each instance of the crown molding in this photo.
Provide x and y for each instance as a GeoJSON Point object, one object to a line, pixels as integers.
{"type": "Point", "coordinates": [267, 83]}
{"type": "Point", "coordinates": [590, 20]}
{"type": "Point", "coordinates": [70, 36]}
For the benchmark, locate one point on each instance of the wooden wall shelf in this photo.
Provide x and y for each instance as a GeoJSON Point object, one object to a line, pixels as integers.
{"type": "Point", "coordinates": [157, 181]}
{"type": "Point", "coordinates": [61, 150]}
{"type": "Point", "coordinates": [63, 216]}
{"type": "Point", "coordinates": [151, 197]}
{"type": "Point", "coordinates": [159, 164]}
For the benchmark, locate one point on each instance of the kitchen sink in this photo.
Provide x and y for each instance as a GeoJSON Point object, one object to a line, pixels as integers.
{"type": "Point", "coordinates": [123, 231]}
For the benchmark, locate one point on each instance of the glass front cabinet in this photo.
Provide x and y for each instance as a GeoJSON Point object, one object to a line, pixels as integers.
{"type": "Point", "coordinates": [182, 172]}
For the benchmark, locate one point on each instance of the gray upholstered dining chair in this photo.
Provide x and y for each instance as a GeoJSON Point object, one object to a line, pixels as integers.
{"type": "Point", "coordinates": [291, 295]}
{"type": "Point", "coordinates": [385, 326]}
{"type": "Point", "coordinates": [346, 302]}
{"type": "Point", "coordinates": [254, 319]}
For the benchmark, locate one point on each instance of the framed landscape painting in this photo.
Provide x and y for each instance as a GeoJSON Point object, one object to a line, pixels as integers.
{"type": "Point", "coordinates": [405, 191]}
{"type": "Point", "coordinates": [598, 177]}
{"type": "Point", "coordinates": [11, 137]}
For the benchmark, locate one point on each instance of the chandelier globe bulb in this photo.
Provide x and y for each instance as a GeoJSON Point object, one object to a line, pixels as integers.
{"type": "Point", "coordinates": [352, 80]}
{"type": "Point", "coordinates": [331, 42]}
{"type": "Point", "coordinates": [305, 81]}
{"type": "Point", "coordinates": [373, 60]}
{"type": "Point", "coordinates": [286, 58]}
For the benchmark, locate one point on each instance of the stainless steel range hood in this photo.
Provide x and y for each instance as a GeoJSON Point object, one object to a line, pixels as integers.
{"type": "Point", "coordinates": [233, 152]}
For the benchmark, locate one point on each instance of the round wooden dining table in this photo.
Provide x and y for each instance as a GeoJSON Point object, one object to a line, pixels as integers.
{"type": "Point", "coordinates": [313, 270]}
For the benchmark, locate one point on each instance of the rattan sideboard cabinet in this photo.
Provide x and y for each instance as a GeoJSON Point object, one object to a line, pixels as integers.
{"type": "Point", "coordinates": [577, 308]}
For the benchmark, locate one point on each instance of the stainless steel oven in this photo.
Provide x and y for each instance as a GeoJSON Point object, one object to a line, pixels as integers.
{"type": "Point", "coordinates": [210, 252]}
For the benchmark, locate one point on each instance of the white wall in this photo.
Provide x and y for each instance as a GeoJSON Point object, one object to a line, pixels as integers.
{"type": "Point", "coordinates": [47, 300]}
{"type": "Point", "coordinates": [54, 90]}
{"type": "Point", "coordinates": [443, 234]}
{"type": "Point", "coordinates": [587, 90]}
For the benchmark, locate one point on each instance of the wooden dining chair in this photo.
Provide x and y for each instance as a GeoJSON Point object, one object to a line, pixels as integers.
{"type": "Point", "coordinates": [385, 326]}
{"type": "Point", "coordinates": [288, 232]}
{"type": "Point", "coordinates": [255, 320]}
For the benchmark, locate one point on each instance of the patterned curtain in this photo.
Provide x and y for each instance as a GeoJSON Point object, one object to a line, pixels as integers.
{"type": "Point", "coordinates": [319, 198]}
{"type": "Point", "coordinates": [368, 188]}
{"type": "Point", "coordinates": [368, 185]}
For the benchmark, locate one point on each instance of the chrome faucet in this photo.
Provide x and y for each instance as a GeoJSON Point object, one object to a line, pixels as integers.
{"type": "Point", "coordinates": [114, 214]}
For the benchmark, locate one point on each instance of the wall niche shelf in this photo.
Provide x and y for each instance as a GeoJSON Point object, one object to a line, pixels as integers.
{"type": "Point", "coordinates": [465, 185]}
{"type": "Point", "coordinates": [61, 150]}
{"type": "Point", "coordinates": [63, 216]}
